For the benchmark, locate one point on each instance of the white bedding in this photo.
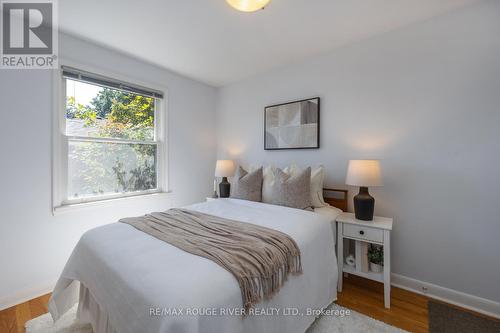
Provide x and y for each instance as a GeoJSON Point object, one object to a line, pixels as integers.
{"type": "Point", "coordinates": [122, 270]}
{"type": "Point", "coordinates": [331, 214]}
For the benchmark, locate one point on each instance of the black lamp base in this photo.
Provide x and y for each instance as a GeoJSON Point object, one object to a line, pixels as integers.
{"type": "Point", "coordinates": [224, 188]}
{"type": "Point", "coordinates": [364, 205]}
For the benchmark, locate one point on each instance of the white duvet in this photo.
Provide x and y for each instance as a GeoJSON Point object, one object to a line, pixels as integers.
{"type": "Point", "coordinates": [146, 285]}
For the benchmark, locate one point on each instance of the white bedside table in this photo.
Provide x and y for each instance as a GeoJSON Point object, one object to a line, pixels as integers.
{"type": "Point", "coordinates": [377, 232]}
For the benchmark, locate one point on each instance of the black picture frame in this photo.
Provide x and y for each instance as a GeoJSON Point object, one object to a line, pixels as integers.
{"type": "Point", "coordinates": [317, 141]}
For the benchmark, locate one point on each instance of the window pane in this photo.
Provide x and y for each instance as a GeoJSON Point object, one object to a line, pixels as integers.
{"type": "Point", "coordinates": [95, 111]}
{"type": "Point", "coordinates": [97, 168]}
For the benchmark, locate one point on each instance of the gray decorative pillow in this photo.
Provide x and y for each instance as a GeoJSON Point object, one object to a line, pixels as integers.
{"type": "Point", "coordinates": [247, 186]}
{"type": "Point", "coordinates": [290, 191]}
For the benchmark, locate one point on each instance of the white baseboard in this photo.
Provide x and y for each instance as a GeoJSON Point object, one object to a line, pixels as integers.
{"type": "Point", "coordinates": [467, 301]}
{"type": "Point", "coordinates": [26, 295]}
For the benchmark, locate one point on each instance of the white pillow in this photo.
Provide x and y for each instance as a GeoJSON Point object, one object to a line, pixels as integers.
{"type": "Point", "coordinates": [317, 179]}
{"type": "Point", "coordinates": [268, 183]}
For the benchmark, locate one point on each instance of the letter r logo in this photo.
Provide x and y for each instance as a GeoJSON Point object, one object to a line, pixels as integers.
{"type": "Point", "coordinates": [27, 27]}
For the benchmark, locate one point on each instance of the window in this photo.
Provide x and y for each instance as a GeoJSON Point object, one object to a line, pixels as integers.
{"type": "Point", "coordinates": [111, 142]}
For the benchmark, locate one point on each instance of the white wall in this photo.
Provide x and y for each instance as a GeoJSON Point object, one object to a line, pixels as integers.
{"type": "Point", "coordinates": [426, 101]}
{"type": "Point", "coordinates": [34, 245]}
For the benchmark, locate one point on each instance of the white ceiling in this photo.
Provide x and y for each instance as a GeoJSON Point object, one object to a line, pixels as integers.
{"type": "Point", "coordinates": [209, 41]}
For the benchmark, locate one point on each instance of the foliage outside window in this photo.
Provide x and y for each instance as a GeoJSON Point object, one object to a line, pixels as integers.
{"type": "Point", "coordinates": [112, 146]}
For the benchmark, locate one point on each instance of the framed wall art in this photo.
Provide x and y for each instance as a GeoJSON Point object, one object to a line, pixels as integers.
{"type": "Point", "coordinates": [292, 125]}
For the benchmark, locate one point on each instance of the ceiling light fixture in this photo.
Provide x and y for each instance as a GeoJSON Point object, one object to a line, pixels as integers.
{"type": "Point", "coordinates": [248, 5]}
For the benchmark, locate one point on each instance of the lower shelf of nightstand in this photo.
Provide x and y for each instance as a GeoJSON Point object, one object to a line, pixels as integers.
{"type": "Point", "coordinates": [369, 275]}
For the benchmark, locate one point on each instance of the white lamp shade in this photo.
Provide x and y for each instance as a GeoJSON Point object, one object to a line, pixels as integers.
{"type": "Point", "coordinates": [224, 168]}
{"type": "Point", "coordinates": [364, 173]}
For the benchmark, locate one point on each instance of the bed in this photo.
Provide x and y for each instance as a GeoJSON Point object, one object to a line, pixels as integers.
{"type": "Point", "coordinates": [116, 274]}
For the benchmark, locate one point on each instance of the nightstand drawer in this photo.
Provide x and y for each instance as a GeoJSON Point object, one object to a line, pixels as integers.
{"type": "Point", "coordinates": [362, 232]}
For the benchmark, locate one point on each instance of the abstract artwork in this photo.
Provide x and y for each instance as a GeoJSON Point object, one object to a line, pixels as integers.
{"type": "Point", "coordinates": [293, 125]}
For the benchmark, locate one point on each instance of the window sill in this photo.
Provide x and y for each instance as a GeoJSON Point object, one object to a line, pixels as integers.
{"type": "Point", "coordinates": [105, 202]}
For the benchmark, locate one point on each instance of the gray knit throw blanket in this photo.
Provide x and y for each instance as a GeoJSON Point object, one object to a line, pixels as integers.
{"type": "Point", "coordinates": [259, 258]}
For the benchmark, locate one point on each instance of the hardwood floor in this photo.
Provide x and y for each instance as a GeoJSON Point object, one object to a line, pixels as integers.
{"type": "Point", "coordinates": [12, 319]}
{"type": "Point", "coordinates": [408, 310]}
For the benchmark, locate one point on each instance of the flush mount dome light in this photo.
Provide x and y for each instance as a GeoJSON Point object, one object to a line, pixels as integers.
{"type": "Point", "coordinates": [248, 5]}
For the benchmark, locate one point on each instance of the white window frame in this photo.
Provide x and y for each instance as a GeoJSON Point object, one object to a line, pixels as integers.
{"type": "Point", "coordinates": [60, 202]}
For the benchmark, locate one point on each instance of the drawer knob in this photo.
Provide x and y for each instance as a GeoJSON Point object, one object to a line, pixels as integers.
{"type": "Point", "coordinates": [361, 232]}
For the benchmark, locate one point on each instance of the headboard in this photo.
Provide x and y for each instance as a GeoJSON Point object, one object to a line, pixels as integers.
{"type": "Point", "coordinates": [336, 197]}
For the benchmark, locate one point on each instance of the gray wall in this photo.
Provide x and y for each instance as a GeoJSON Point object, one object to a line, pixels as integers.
{"type": "Point", "coordinates": [425, 100]}
{"type": "Point", "coordinates": [34, 245]}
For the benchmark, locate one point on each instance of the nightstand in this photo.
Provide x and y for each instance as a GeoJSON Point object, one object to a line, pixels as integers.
{"type": "Point", "coordinates": [363, 233]}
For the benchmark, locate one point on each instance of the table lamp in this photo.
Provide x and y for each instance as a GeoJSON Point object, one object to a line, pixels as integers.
{"type": "Point", "coordinates": [364, 173]}
{"type": "Point", "coordinates": [224, 169]}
